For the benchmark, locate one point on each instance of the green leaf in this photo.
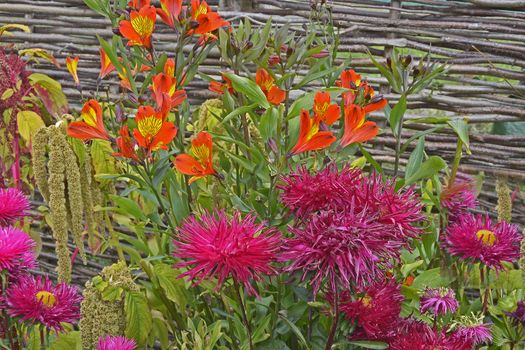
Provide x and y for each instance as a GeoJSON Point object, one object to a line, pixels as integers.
{"type": "Point", "coordinates": [429, 168]}
{"type": "Point", "coordinates": [416, 158]}
{"type": "Point", "coordinates": [430, 278]}
{"type": "Point", "coordinates": [314, 76]}
{"type": "Point", "coordinates": [249, 88]}
{"type": "Point", "coordinates": [128, 207]}
{"type": "Point", "coordinates": [295, 330]}
{"type": "Point", "coordinates": [460, 126]}
{"type": "Point", "coordinates": [171, 285]}
{"type": "Point", "coordinates": [103, 162]}
{"type": "Point", "coordinates": [138, 317]}
{"type": "Point", "coordinates": [28, 123]}
{"type": "Point", "coordinates": [371, 159]}
{"type": "Point", "coordinates": [50, 92]}
{"type": "Point", "coordinates": [268, 123]}
{"type": "Point", "coordinates": [407, 269]}
{"type": "Point", "coordinates": [397, 114]}
{"type": "Point", "coordinates": [69, 340]}
{"type": "Point", "coordinates": [369, 344]}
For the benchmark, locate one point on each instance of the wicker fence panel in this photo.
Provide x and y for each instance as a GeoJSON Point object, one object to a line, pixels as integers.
{"type": "Point", "coordinates": [482, 41]}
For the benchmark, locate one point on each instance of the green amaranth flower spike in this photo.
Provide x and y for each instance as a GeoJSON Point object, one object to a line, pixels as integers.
{"type": "Point", "coordinates": [102, 310]}
{"type": "Point", "coordinates": [504, 200]}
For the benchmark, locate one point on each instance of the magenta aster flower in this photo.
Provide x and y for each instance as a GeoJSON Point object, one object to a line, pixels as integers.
{"type": "Point", "coordinates": [475, 334]}
{"type": "Point", "coordinates": [116, 343]}
{"type": "Point", "coordinates": [417, 335]}
{"type": "Point", "coordinates": [305, 193]}
{"type": "Point", "coordinates": [16, 250]}
{"type": "Point", "coordinates": [13, 206]}
{"type": "Point", "coordinates": [375, 310]}
{"type": "Point", "coordinates": [439, 301]}
{"type": "Point", "coordinates": [36, 300]}
{"type": "Point", "coordinates": [518, 315]}
{"type": "Point", "coordinates": [216, 246]}
{"type": "Point", "coordinates": [475, 238]}
{"type": "Point", "coordinates": [458, 198]}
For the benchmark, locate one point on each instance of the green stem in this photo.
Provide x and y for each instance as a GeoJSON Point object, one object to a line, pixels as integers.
{"type": "Point", "coordinates": [237, 288]}
{"type": "Point", "coordinates": [456, 161]}
{"type": "Point", "coordinates": [335, 321]}
{"type": "Point", "coordinates": [398, 144]}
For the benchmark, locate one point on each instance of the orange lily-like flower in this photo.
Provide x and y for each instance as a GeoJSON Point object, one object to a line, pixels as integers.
{"type": "Point", "coordinates": [139, 29]}
{"type": "Point", "coordinates": [201, 163]}
{"type": "Point", "coordinates": [169, 11]}
{"type": "Point", "coordinates": [125, 144]}
{"type": "Point", "coordinates": [164, 92]}
{"type": "Point", "coordinates": [208, 21]}
{"type": "Point", "coordinates": [221, 88]}
{"type": "Point", "coordinates": [310, 137]}
{"type": "Point", "coordinates": [169, 67]}
{"type": "Point", "coordinates": [357, 130]}
{"type": "Point", "coordinates": [71, 64]}
{"type": "Point", "coordinates": [106, 66]}
{"type": "Point", "coordinates": [274, 94]}
{"type": "Point", "coordinates": [92, 126]}
{"type": "Point", "coordinates": [137, 4]}
{"type": "Point", "coordinates": [361, 90]}
{"type": "Point", "coordinates": [153, 132]}
{"type": "Point", "coordinates": [323, 110]}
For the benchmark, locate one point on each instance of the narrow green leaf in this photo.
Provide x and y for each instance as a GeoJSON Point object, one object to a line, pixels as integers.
{"type": "Point", "coordinates": [397, 113]}
{"type": "Point", "coordinates": [249, 88]}
{"type": "Point", "coordinates": [430, 167]}
{"type": "Point", "coordinates": [460, 126]}
{"type": "Point", "coordinates": [416, 158]}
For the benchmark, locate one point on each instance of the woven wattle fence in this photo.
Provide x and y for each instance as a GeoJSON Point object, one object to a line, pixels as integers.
{"type": "Point", "coordinates": [481, 41]}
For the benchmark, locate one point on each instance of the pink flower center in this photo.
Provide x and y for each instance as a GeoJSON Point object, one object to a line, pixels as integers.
{"type": "Point", "coordinates": [488, 238]}
{"type": "Point", "coordinates": [46, 298]}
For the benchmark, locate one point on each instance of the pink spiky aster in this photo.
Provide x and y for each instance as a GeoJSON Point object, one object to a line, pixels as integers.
{"type": "Point", "coordinates": [16, 250]}
{"type": "Point", "coordinates": [375, 310]}
{"type": "Point", "coordinates": [37, 300]}
{"type": "Point", "coordinates": [116, 343]}
{"type": "Point", "coordinates": [305, 193]}
{"type": "Point", "coordinates": [439, 301]}
{"type": "Point", "coordinates": [475, 334]}
{"type": "Point", "coordinates": [13, 206]}
{"type": "Point", "coordinates": [458, 198]}
{"type": "Point", "coordinates": [475, 238]}
{"type": "Point", "coordinates": [216, 246]}
{"type": "Point", "coordinates": [356, 237]}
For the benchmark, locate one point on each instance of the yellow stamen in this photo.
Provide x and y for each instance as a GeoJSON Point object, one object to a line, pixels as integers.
{"type": "Point", "coordinates": [488, 238]}
{"type": "Point", "coordinates": [366, 301]}
{"type": "Point", "coordinates": [149, 126]}
{"type": "Point", "coordinates": [201, 152]}
{"type": "Point", "coordinates": [313, 130]}
{"type": "Point", "coordinates": [90, 117]}
{"type": "Point", "coordinates": [142, 25]}
{"type": "Point", "coordinates": [201, 10]}
{"type": "Point", "coordinates": [46, 298]}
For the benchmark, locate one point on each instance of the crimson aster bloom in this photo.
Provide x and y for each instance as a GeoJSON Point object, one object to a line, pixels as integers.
{"type": "Point", "coordinates": [216, 246]}
{"type": "Point", "coordinates": [412, 334]}
{"type": "Point", "coordinates": [37, 300]}
{"type": "Point", "coordinates": [471, 329]}
{"type": "Point", "coordinates": [475, 238]}
{"type": "Point", "coordinates": [458, 198]}
{"type": "Point", "coordinates": [13, 206]}
{"type": "Point", "coordinates": [116, 343]}
{"type": "Point", "coordinates": [16, 250]}
{"type": "Point", "coordinates": [439, 301]}
{"type": "Point", "coordinates": [305, 193]}
{"type": "Point", "coordinates": [375, 310]}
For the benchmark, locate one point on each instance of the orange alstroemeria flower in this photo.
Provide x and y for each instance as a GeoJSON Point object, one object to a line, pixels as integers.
{"type": "Point", "coordinates": [201, 163]}
{"type": "Point", "coordinates": [360, 89]}
{"type": "Point", "coordinates": [92, 126]}
{"type": "Point", "coordinates": [106, 66]}
{"type": "Point", "coordinates": [163, 88]}
{"type": "Point", "coordinates": [208, 20]}
{"type": "Point", "coordinates": [169, 67]}
{"type": "Point", "coordinates": [310, 137]}
{"type": "Point", "coordinates": [139, 29]}
{"type": "Point", "coordinates": [221, 88]}
{"type": "Point", "coordinates": [357, 130]}
{"type": "Point", "coordinates": [323, 110]}
{"type": "Point", "coordinates": [274, 94]}
{"type": "Point", "coordinates": [153, 132]}
{"type": "Point", "coordinates": [137, 4]}
{"type": "Point", "coordinates": [169, 11]}
{"type": "Point", "coordinates": [71, 64]}
{"type": "Point", "coordinates": [125, 144]}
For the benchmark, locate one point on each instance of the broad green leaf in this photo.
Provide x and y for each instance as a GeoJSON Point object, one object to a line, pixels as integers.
{"type": "Point", "coordinates": [460, 126]}
{"type": "Point", "coordinates": [416, 158]}
{"type": "Point", "coordinates": [28, 123]}
{"type": "Point", "coordinates": [67, 340]}
{"type": "Point", "coordinates": [138, 317]}
{"type": "Point", "coordinates": [407, 269]}
{"type": "Point", "coordinates": [128, 206]}
{"type": "Point", "coordinates": [50, 92]}
{"type": "Point", "coordinates": [173, 286]}
{"type": "Point", "coordinates": [397, 113]}
{"type": "Point", "coordinates": [430, 278]}
{"type": "Point", "coordinates": [249, 88]}
{"type": "Point", "coordinates": [429, 167]}
{"type": "Point", "coordinates": [103, 161]}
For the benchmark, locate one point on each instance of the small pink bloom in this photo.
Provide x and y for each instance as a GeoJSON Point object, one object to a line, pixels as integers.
{"type": "Point", "coordinates": [116, 343]}
{"type": "Point", "coordinates": [16, 250]}
{"type": "Point", "coordinates": [13, 206]}
{"type": "Point", "coordinates": [439, 301]}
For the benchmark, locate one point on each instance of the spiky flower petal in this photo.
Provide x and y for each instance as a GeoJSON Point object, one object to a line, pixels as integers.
{"type": "Point", "coordinates": [458, 198]}
{"type": "Point", "coordinates": [439, 301]}
{"type": "Point", "coordinates": [116, 343]}
{"type": "Point", "coordinates": [216, 246]}
{"type": "Point", "coordinates": [13, 206]}
{"type": "Point", "coordinates": [475, 238]}
{"type": "Point", "coordinates": [16, 250]}
{"type": "Point", "coordinates": [37, 300]}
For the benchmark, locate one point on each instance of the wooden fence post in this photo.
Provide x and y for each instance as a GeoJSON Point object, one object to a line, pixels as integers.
{"type": "Point", "coordinates": [238, 5]}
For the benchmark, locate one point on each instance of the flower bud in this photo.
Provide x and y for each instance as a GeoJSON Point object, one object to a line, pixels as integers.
{"type": "Point", "coordinates": [321, 54]}
{"type": "Point", "coordinates": [194, 24]}
{"type": "Point", "coordinates": [274, 60]}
